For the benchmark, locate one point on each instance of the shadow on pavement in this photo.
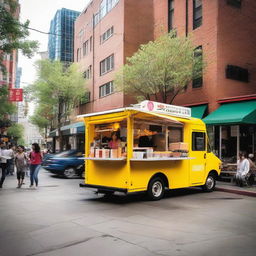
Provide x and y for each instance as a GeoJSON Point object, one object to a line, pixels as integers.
{"type": "Point", "coordinates": [142, 197]}
{"type": "Point", "coordinates": [56, 176]}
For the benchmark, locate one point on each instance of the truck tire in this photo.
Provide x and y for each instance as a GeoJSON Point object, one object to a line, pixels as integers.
{"type": "Point", "coordinates": [210, 183]}
{"type": "Point", "coordinates": [156, 188]}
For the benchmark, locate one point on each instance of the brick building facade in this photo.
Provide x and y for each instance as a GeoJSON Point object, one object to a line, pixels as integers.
{"type": "Point", "coordinates": [224, 29]}
{"type": "Point", "coordinates": [106, 33]}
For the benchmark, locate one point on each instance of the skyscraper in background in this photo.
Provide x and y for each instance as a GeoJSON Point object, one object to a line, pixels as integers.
{"type": "Point", "coordinates": [18, 77]}
{"type": "Point", "coordinates": [61, 38]}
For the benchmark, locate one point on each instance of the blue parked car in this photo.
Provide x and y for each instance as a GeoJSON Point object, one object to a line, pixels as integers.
{"type": "Point", "coordinates": [69, 163]}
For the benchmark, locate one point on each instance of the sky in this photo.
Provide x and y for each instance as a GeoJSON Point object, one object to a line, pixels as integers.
{"type": "Point", "coordinates": [40, 13]}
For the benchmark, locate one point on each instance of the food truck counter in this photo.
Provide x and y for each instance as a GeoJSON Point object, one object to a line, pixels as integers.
{"type": "Point", "coordinates": [136, 159]}
{"type": "Point", "coordinates": [105, 159]}
{"type": "Point", "coordinates": [163, 159]}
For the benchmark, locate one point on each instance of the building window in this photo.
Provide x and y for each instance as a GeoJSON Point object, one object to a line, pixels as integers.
{"type": "Point", "coordinates": [105, 36]}
{"type": "Point", "coordinates": [105, 7]}
{"type": "Point", "coordinates": [4, 76]}
{"type": "Point", "coordinates": [88, 73]}
{"type": "Point", "coordinates": [90, 43]}
{"type": "Point", "coordinates": [85, 98]}
{"type": "Point", "coordinates": [85, 47]}
{"type": "Point", "coordinates": [107, 65]}
{"type": "Point", "coordinates": [237, 73]}
{"type": "Point", "coordinates": [197, 13]}
{"type": "Point", "coordinates": [235, 3]}
{"type": "Point", "coordinates": [198, 141]}
{"type": "Point", "coordinates": [198, 80]}
{"type": "Point", "coordinates": [96, 18]}
{"type": "Point", "coordinates": [78, 54]}
{"type": "Point", "coordinates": [106, 89]}
{"type": "Point", "coordinates": [170, 14]}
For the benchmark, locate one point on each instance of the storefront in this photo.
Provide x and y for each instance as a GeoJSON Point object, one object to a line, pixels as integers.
{"type": "Point", "coordinates": [72, 135]}
{"type": "Point", "coordinates": [232, 128]}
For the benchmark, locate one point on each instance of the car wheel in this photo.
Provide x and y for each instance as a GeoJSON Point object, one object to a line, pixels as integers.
{"type": "Point", "coordinates": [156, 189]}
{"type": "Point", "coordinates": [210, 183]}
{"type": "Point", "coordinates": [70, 172]}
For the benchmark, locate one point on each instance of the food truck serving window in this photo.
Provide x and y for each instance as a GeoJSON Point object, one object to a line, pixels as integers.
{"type": "Point", "coordinates": [158, 138]}
{"type": "Point", "coordinates": [109, 140]}
{"type": "Point", "coordinates": [198, 141]}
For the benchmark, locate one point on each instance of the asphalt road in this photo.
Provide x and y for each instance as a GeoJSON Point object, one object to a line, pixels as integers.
{"type": "Point", "coordinates": [59, 218]}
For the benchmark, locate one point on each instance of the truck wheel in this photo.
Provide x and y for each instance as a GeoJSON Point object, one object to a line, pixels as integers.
{"type": "Point", "coordinates": [70, 172]}
{"type": "Point", "coordinates": [156, 189]}
{"type": "Point", "coordinates": [210, 183]}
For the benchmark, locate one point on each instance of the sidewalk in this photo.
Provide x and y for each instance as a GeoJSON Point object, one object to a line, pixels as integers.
{"type": "Point", "coordinates": [232, 188]}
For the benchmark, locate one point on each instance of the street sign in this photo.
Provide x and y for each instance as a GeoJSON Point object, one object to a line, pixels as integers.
{"type": "Point", "coordinates": [16, 95]}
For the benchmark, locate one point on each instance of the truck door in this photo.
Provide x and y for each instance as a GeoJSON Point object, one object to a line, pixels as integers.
{"type": "Point", "coordinates": [198, 152]}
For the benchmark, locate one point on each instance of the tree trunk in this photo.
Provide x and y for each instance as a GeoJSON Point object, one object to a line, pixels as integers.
{"type": "Point", "coordinates": [173, 97]}
{"type": "Point", "coordinates": [45, 135]}
{"type": "Point", "coordinates": [59, 125]}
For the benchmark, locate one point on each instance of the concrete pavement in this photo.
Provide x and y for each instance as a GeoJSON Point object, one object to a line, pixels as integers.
{"type": "Point", "coordinates": [59, 218]}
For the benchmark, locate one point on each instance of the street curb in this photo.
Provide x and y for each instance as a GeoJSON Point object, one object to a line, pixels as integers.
{"type": "Point", "coordinates": [239, 192]}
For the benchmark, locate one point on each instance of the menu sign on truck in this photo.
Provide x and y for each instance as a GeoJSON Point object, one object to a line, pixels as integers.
{"type": "Point", "coordinates": [163, 108]}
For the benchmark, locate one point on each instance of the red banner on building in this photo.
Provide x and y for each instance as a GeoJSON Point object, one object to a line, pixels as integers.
{"type": "Point", "coordinates": [15, 94]}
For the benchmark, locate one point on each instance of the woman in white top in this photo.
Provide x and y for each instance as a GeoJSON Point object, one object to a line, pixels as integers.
{"type": "Point", "coordinates": [243, 167]}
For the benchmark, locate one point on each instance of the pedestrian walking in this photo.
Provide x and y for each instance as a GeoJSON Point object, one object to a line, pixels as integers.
{"type": "Point", "coordinates": [21, 162]}
{"type": "Point", "coordinates": [243, 167]}
{"type": "Point", "coordinates": [3, 162]}
{"type": "Point", "coordinates": [10, 161]}
{"type": "Point", "coordinates": [35, 164]}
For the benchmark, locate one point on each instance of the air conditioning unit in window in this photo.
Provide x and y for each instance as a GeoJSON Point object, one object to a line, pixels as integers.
{"type": "Point", "coordinates": [237, 73]}
{"type": "Point", "coordinates": [235, 3]}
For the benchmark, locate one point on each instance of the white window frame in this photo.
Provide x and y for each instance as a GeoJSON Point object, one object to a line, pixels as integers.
{"type": "Point", "coordinates": [103, 89]}
{"type": "Point", "coordinates": [106, 35]}
{"type": "Point", "coordinates": [107, 65]}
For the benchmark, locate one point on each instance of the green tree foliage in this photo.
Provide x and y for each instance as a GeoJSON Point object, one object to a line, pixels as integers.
{"type": "Point", "coordinates": [17, 132]}
{"type": "Point", "coordinates": [13, 33]}
{"type": "Point", "coordinates": [6, 107]}
{"type": "Point", "coordinates": [161, 69]}
{"type": "Point", "coordinates": [57, 90]}
{"type": "Point", "coordinates": [42, 116]}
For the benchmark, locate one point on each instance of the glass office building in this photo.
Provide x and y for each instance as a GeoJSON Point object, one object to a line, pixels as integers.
{"type": "Point", "coordinates": [61, 38]}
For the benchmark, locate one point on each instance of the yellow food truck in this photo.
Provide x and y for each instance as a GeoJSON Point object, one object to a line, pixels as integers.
{"type": "Point", "coordinates": [148, 147]}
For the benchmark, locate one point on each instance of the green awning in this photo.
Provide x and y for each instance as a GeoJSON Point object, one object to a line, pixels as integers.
{"type": "Point", "coordinates": [233, 113]}
{"type": "Point", "coordinates": [73, 128]}
{"type": "Point", "coordinates": [70, 126]}
{"type": "Point", "coordinates": [198, 111]}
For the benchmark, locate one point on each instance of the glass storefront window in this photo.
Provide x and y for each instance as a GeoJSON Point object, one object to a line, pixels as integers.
{"type": "Point", "coordinates": [234, 138]}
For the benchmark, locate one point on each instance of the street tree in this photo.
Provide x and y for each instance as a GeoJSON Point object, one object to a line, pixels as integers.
{"type": "Point", "coordinates": [57, 91]}
{"type": "Point", "coordinates": [13, 33]}
{"type": "Point", "coordinates": [6, 109]}
{"type": "Point", "coordinates": [16, 131]}
{"type": "Point", "coordinates": [161, 69]}
{"type": "Point", "coordinates": [42, 117]}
